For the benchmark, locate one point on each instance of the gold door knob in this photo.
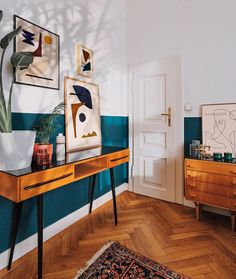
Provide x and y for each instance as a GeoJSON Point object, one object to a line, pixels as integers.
{"type": "Point", "coordinates": [168, 115]}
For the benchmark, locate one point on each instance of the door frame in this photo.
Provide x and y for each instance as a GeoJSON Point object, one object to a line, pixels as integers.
{"type": "Point", "coordinates": [179, 185]}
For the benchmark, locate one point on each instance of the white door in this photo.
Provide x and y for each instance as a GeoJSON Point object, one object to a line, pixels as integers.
{"type": "Point", "coordinates": [154, 87]}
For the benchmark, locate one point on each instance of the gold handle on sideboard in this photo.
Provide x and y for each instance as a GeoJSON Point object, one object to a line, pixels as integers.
{"type": "Point", "coordinates": [192, 186]}
{"type": "Point", "coordinates": [48, 181]}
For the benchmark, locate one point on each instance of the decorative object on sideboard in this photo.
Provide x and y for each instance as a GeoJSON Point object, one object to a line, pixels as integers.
{"type": "Point", "coordinates": [228, 157]}
{"type": "Point", "coordinates": [219, 127]}
{"type": "Point", "coordinates": [192, 148]}
{"type": "Point", "coordinates": [16, 147]}
{"type": "Point", "coordinates": [82, 115]}
{"type": "Point", "coordinates": [45, 46]}
{"type": "Point", "coordinates": [60, 147]}
{"type": "Point", "coordinates": [84, 61]}
{"type": "Point", "coordinates": [202, 151]}
{"type": "Point", "coordinates": [217, 156]}
{"type": "Point", "coordinates": [44, 129]}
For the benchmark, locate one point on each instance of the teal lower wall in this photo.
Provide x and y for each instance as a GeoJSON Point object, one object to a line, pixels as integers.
{"type": "Point", "coordinates": [192, 130]}
{"type": "Point", "coordinates": [65, 200]}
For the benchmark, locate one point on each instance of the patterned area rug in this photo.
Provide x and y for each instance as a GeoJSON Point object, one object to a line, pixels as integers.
{"type": "Point", "coordinates": [118, 262]}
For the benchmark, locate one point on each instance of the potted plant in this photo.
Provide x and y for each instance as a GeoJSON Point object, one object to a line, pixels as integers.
{"type": "Point", "coordinates": [45, 128]}
{"type": "Point", "coordinates": [16, 147]}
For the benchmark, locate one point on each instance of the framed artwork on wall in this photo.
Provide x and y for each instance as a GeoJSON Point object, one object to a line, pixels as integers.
{"type": "Point", "coordinates": [85, 65]}
{"type": "Point", "coordinates": [45, 46]}
{"type": "Point", "coordinates": [219, 127]}
{"type": "Point", "coordinates": [82, 115]}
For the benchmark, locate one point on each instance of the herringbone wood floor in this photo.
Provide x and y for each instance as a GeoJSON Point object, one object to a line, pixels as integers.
{"type": "Point", "coordinates": [165, 232]}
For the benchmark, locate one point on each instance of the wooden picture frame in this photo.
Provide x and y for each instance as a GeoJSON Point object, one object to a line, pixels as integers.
{"type": "Point", "coordinates": [85, 65]}
{"type": "Point", "coordinates": [82, 115]}
{"type": "Point", "coordinates": [219, 127]}
{"type": "Point", "coordinates": [45, 46]}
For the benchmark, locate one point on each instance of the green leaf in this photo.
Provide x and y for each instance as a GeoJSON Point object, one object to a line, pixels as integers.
{"type": "Point", "coordinates": [1, 15]}
{"type": "Point", "coordinates": [7, 39]}
{"type": "Point", "coordinates": [22, 60]}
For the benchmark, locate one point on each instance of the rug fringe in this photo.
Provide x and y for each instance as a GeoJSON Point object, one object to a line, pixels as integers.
{"type": "Point", "coordinates": [94, 258]}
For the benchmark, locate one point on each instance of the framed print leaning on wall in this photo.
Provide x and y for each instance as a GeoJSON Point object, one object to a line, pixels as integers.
{"type": "Point", "coordinates": [219, 127]}
{"type": "Point", "coordinates": [82, 115]}
{"type": "Point", "coordinates": [45, 47]}
{"type": "Point", "coordinates": [85, 65]}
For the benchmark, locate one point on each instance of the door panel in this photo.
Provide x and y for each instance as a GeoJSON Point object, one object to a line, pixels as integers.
{"type": "Point", "coordinates": [154, 88]}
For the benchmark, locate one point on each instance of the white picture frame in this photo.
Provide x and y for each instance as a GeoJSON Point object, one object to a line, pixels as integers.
{"type": "Point", "coordinates": [219, 127]}
{"type": "Point", "coordinates": [82, 115]}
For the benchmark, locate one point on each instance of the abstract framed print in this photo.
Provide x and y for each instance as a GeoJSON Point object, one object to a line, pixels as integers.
{"type": "Point", "coordinates": [45, 47]}
{"type": "Point", "coordinates": [85, 65]}
{"type": "Point", "coordinates": [219, 127]}
{"type": "Point", "coordinates": [82, 115]}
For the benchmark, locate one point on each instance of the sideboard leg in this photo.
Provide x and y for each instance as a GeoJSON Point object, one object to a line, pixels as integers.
{"type": "Point", "coordinates": [233, 214]}
{"type": "Point", "coordinates": [198, 210]}
{"type": "Point", "coordinates": [40, 235]}
{"type": "Point", "coordinates": [91, 191]}
{"type": "Point", "coordinates": [14, 229]}
{"type": "Point", "coordinates": [113, 193]}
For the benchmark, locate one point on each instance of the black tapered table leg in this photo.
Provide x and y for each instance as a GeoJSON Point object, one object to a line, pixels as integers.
{"type": "Point", "coordinates": [40, 235]}
{"type": "Point", "coordinates": [91, 191]}
{"type": "Point", "coordinates": [14, 229]}
{"type": "Point", "coordinates": [112, 176]}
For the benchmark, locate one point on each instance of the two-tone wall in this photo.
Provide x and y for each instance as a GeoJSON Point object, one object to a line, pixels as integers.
{"type": "Point", "coordinates": [99, 25]}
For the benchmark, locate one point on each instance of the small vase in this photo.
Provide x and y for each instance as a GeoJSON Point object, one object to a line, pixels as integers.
{"type": "Point", "coordinates": [48, 147]}
{"type": "Point", "coordinates": [16, 149]}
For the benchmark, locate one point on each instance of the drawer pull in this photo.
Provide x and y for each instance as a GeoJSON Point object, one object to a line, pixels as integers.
{"type": "Point", "coordinates": [117, 159]}
{"type": "Point", "coordinates": [192, 186]}
{"type": "Point", "coordinates": [48, 181]}
{"type": "Point", "coordinates": [192, 195]}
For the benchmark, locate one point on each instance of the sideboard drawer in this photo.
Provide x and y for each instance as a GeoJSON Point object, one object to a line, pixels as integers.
{"type": "Point", "coordinates": [211, 199]}
{"type": "Point", "coordinates": [211, 167]}
{"type": "Point", "coordinates": [226, 191]}
{"type": "Point", "coordinates": [47, 180]}
{"type": "Point", "coordinates": [202, 176]}
{"type": "Point", "coordinates": [118, 158]}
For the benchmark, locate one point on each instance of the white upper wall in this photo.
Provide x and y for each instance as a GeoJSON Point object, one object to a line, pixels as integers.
{"type": "Point", "coordinates": [203, 32]}
{"type": "Point", "coordinates": [97, 24]}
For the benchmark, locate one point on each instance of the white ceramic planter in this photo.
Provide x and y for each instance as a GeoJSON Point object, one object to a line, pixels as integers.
{"type": "Point", "coordinates": [16, 149]}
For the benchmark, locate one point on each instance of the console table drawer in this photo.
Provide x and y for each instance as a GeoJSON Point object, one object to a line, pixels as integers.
{"type": "Point", "coordinates": [211, 188]}
{"type": "Point", "coordinates": [118, 158]}
{"type": "Point", "coordinates": [211, 178]}
{"type": "Point", "coordinates": [211, 167]}
{"type": "Point", "coordinates": [47, 180]}
{"type": "Point", "coordinates": [211, 199]}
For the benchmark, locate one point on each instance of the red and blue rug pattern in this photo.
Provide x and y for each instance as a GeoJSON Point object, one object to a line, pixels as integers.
{"type": "Point", "coordinates": [118, 262]}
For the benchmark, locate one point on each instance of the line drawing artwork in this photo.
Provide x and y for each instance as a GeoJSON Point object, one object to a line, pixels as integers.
{"type": "Point", "coordinates": [219, 127]}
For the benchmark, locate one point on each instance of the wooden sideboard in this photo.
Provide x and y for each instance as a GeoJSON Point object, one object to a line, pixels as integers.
{"type": "Point", "coordinates": [212, 183]}
{"type": "Point", "coordinates": [21, 185]}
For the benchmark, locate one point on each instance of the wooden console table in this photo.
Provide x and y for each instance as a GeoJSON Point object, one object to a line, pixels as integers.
{"type": "Point", "coordinates": [21, 185]}
{"type": "Point", "coordinates": [212, 183]}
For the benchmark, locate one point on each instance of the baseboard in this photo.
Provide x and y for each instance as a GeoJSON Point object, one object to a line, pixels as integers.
{"type": "Point", "coordinates": [30, 243]}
